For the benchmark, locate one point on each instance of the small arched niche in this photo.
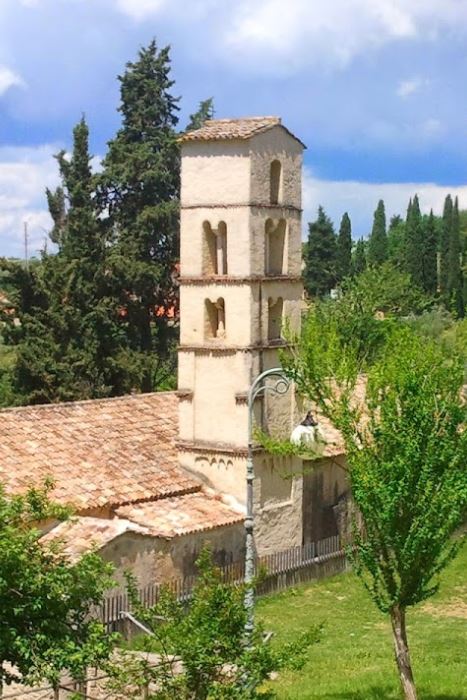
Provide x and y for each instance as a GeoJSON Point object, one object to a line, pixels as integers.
{"type": "Point", "coordinates": [275, 236]}
{"type": "Point", "coordinates": [214, 321]}
{"type": "Point", "coordinates": [275, 311]}
{"type": "Point", "coordinates": [275, 182]}
{"type": "Point", "coordinates": [214, 260]}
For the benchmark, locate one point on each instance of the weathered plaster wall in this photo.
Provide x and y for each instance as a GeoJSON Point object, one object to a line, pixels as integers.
{"type": "Point", "coordinates": [325, 491]}
{"type": "Point", "coordinates": [155, 560]}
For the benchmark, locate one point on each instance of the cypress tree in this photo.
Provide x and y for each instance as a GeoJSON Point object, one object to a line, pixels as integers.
{"type": "Point", "coordinates": [140, 186]}
{"type": "Point", "coordinates": [396, 241]}
{"type": "Point", "coordinates": [430, 248]}
{"type": "Point", "coordinates": [71, 344]}
{"type": "Point", "coordinates": [378, 243]}
{"type": "Point", "coordinates": [414, 244]}
{"type": "Point", "coordinates": [454, 273]}
{"type": "Point", "coordinates": [359, 258]}
{"type": "Point", "coordinates": [320, 263]}
{"type": "Point", "coordinates": [344, 248]}
{"type": "Point", "coordinates": [445, 236]}
{"type": "Point", "coordinates": [205, 111]}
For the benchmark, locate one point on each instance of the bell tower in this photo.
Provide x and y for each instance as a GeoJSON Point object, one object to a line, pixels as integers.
{"type": "Point", "coordinates": [240, 279]}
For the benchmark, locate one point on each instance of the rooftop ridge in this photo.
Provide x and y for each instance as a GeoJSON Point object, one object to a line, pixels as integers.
{"type": "Point", "coordinates": [59, 405]}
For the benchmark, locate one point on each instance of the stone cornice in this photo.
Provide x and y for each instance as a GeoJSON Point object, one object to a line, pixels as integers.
{"type": "Point", "coordinates": [234, 279]}
{"type": "Point", "coordinates": [215, 448]}
{"type": "Point", "coordinates": [241, 205]}
{"type": "Point", "coordinates": [223, 347]}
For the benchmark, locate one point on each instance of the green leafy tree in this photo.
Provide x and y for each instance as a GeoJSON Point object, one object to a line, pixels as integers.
{"type": "Point", "coordinates": [47, 624]}
{"type": "Point", "coordinates": [406, 451]}
{"type": "Point", "coordinates": [205, 111]}
{"type": "Point", "coordinates": [344, 248]}
{"type": "Point", "coordinates": [139, 190]}
{"type": "Point", "coordinates": [378, 242]}
{"type": "Point", "coordinates": [414, 244]}
{"type": "Point", "coordinates": [359, 257]}
{"type": "Point", "coordinates": [320, 262]}
{"type": "Point", "coordinates": [71, 340]}
{"type": "Point", "coordinates": [444, 242]}
{"type": "Point", "coordinates": [208, 637]}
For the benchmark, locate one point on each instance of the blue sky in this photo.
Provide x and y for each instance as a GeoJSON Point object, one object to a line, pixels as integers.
{"type": "Point", "coordinates": [375, 88]}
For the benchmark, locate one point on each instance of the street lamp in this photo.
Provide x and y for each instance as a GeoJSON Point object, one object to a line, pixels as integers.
{"type": "Point", "coordinates": [257, 388]}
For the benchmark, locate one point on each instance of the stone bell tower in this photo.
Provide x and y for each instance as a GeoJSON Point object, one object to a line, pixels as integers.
{"type": "Point", "coordinates": [240, 278]}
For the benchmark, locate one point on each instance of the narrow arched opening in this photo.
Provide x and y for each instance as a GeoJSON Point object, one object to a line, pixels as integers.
{"type": "Point", "coordinates": [275, 182]}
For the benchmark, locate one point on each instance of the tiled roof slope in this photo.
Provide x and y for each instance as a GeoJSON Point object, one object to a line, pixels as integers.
{"type": "Point", "coordinates": [232, 129]}
{"type": "Point", "coordinates": [100, 453]}
{"type": "Point", "coordinates": [181, 515]}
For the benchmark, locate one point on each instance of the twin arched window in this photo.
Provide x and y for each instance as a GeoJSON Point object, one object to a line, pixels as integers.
{"type": "Point", "coordinates": [214, 249]}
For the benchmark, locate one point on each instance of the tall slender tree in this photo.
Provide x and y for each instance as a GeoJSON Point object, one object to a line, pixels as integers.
{"type": "Point", "coordinates": [445, 236]}
{"type": "Point", "coordinates": [414, 243]}
{"type": "Point", "coordinates": [396, 241]}
{"type": "Point", "coordinates": [378, 243]}
{"type": "Point", "coordinates": [344, 248]}
{"type": "Point", "coordinates": [454, 274]}
{"type": "Point", "coordinates": [359, 257]}
{"type": "Point", "coordinates": [204, 112]}
{"type": "Point", "coordinates": [320, 263]}
{"type": "Point", "coordinates": [140, 187]}
{"type": "Point", "coordinates": [430, 248]}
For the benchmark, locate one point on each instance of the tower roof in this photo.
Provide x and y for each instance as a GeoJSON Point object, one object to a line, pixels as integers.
{"type": "Point", "coordinates": [233, 129]}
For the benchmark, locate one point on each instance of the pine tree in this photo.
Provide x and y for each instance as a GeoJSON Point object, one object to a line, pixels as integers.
{"type": "Point", "coordinates": [140, 187]}
{"type": "Point", "coordinates": [430, 248]}
{"type": "Point", "coordinates": [320, 264]}
{"type": "Point", "coordinates": [205, 111]}
{"type": "Point", "coordinates": [378, 243]}
{"type": "Point", "coordinates": [344, 248]}
{"type": "Point", "coordinates": [71, 342]}
{"type": "Point", "coordinates": [454, 274]}
{"type": "Point", "coordinates": [414, 244]}
{"type": "Point", "coordinates": [359, 258]}
{"type": "Point", "coordinates": [445, 236]}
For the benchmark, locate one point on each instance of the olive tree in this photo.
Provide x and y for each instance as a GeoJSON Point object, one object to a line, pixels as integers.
{"type": "Point", "coordinates": [403, 428]}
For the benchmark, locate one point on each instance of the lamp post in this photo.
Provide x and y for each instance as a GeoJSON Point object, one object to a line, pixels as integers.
{"type": "Point", "coordinates": [257, 388]}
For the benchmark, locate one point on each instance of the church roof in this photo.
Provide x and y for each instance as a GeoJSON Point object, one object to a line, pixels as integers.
{"type": "Point", "coordinates": [181, 515]}
{"type": "Point", "coordinates": [233, 129]}
{"type": "Point", "coordinates": [99, 453]}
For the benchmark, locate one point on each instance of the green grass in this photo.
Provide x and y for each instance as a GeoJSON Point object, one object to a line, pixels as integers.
{"type": "Point", "coordinates": [354, 659]}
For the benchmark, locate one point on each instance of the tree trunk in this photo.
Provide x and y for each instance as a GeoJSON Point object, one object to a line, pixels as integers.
{"type": "Point", "coordinates": [402, 653]}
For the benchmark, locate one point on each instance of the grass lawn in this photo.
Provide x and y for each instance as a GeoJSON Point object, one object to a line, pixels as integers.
{"type": "Point", "coordinates": [354, 659]}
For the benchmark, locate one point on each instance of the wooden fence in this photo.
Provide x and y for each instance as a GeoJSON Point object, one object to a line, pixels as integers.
{"type": "Point", "coordinates": [275, 572]}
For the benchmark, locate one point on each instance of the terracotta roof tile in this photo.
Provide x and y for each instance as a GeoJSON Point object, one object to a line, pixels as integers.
{"type": "Point", "coordinates": [181, 515]}
{"type": "Point", "coordinates": [79, 535]}
{"type": "Point", "coordinates": [231, 129]}
{"type": "Point", "coordinates": [99, 453]}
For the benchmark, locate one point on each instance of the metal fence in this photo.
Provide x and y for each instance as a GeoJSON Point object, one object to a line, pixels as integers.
{"type": "Point", "coordinates": [275, 572]}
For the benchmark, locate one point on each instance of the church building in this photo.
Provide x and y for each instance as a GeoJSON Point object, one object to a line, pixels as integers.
{"type": "Point", "coordinates": [152, 477]}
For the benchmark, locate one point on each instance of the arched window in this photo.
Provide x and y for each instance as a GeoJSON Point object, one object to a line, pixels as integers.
{"type": "Point", "coordinates": [214, 260]}
{"type": "Point", "coordinates": [275, 182]}
{"type": "Point", "coordinates": [275, 247]}
{"type": "Point", "coordinates": [275, 309]}
{"type": "Point", "coordinates": [214, 326]}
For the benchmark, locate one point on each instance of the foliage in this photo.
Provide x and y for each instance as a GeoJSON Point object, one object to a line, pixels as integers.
{"type": "Point", "coordinates": [46, 600]}
{"type": "Point", "coordinates": [406, 451]}
{"type": "Point", "coordinates": [414, 244]}
{"type": "Point", "coordinates": [378, 243]}
{"type": "Point", "coordinates": [455, 283]}
{"type": "Point", "coordinates": [429, 255]}
{"type": "Point", "coordinates": [319, 275]}
{"type": "Point", "coordinates": [70, 337]}
{"type": "Point", "coordinates": [205, 111]}
{"type": "Point", "coordinates": [139, 191]}
{"type": "Point", "coordinates": [444, 242]}
{"type": "Point", "coordinates": [206, 640]}
{"type": "Point", "coordinates": [344, 248]}
{"type": "Point", "coordinates": [359, 257]}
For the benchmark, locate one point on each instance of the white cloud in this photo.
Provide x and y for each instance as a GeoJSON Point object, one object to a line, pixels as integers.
{"type": "Point", "coordinates": [359, 199]}
{"type": "Point", "coordinates": [409, 87]}
{"type": "Point", "coordinates": [332, 33]}
{"type": "Point", "coordinates": [139, 9]}
{"type": "Point", "coordinates": [24, 175]}
{"type": "Point", "coordinates": [8, 79]}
